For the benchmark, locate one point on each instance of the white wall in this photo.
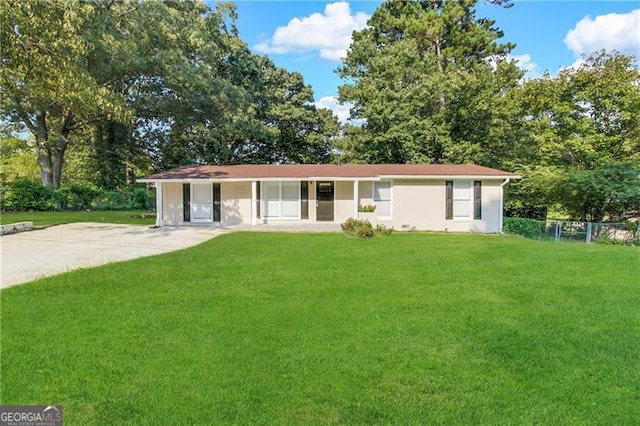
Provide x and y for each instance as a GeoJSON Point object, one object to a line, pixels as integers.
{"type": "Point", "coordinates": [343, 207]}
{"type": "Point", "coordinates": [172, 203]}
{"type": "Point", "coordinates": [235, 199]}
{"type": "Point", "coordinates": [422, 204]}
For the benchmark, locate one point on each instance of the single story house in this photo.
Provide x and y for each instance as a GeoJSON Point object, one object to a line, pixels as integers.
{"type": "Point", "coordinates": [436, 197]}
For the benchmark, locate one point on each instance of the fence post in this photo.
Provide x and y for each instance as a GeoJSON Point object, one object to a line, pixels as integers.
{"type": "Point", "coordinates": [589, 226]}
{"type": "Point", "coordinates": [558, 231]}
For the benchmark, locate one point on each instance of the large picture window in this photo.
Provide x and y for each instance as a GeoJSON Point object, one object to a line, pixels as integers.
{"type": "Point", "coordinates": [382, 198]}
{"type": "Point", "coordinates": [281, 200]}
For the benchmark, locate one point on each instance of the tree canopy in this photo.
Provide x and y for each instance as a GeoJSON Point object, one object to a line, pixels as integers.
{"type": "Point", "coordinates": [581, 148]}
{"type": "Point", "coordinates": [147, 84]}
{"type": "Point", "coordinates": [423, 78]}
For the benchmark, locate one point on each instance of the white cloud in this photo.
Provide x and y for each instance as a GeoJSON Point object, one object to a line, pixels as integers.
{"type": "Point", "coordinates": [331, 102]}
{"type": "Point", "coordinates": [526, 64]}
{"type": "Point", "coordinates": [328, 32]}
{"type": "Point", "coordinates": [574, 66]}
{"type": "Point", "coordinates": [613, 31]}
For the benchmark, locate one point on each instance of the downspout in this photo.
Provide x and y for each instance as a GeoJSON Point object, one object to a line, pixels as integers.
{"type": "Point", "coordinates": [502, 185]}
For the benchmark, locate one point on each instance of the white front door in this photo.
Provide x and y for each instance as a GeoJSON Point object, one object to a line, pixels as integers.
{"type": "Point", "coordinates": [201, 202]}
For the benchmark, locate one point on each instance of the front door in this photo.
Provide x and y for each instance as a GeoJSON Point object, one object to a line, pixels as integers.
{"type": "Point", "coordinates": [324, 201]}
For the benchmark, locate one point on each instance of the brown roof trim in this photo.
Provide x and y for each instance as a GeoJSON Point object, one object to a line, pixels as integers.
{"type": "Point", "coordinates": [306, 171]}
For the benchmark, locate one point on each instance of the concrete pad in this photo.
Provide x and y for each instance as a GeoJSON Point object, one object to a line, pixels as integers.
{"type": "Point", "coordinates": [27, 256]}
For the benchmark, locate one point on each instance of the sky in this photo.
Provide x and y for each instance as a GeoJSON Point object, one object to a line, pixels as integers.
{"type": "Point", "coordinates": [310, 37]}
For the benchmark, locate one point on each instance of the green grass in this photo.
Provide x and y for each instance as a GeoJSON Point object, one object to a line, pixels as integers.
{"type": "Point", "coordinates": [131, 217]}
{"type": "Point", "coordinates": [413, 328]}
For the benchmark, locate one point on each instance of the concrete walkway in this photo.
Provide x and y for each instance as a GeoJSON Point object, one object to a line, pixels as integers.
{"type": "Point", "coordinates": [30, 255]}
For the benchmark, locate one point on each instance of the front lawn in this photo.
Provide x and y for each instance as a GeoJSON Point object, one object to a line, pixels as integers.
{"type": "Point", "coordinates": [413, 328]}
{"type": "Point", "coordinates": [127, 217]}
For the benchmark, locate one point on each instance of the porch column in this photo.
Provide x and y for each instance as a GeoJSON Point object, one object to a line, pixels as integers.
{"type": "Point", "coordinates": [254, 201]}
{"type": "Point", "coordinates": [159, 212]}
{"type": "Point", "coordinates": [356, 196]}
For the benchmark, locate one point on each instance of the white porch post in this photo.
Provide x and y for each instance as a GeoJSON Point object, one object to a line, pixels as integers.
{"type": "Point", "coordinates": [356, 196]}
{"type": "Point", "coordinates": [254, 202]}
{"type": "Point", "coordinates": [159, 212]}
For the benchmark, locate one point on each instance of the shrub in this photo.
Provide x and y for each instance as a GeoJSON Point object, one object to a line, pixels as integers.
{"type": "Point", "coordinates": [78, 196]}
{"type": "Point", "coordinates": [363, 228]}
{"type": "Point", "coordinates": [26, 194]}
{"type": "Point", "coordinates": [130, 198]}
{"type": "Point", "coordinates": [529, 228]}
{"type": "Point", "coordinates": [383, 230]}
{"type": "Point", "coordinates": [141, 199]}
{"type": "Point", "coordinates": [367, 208]}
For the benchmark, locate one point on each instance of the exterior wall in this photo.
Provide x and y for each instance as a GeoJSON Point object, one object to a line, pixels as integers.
{"type": "Point", "coordinates": [235, 203]}
{"type": "Point", "coordinates": [418, 204]}
{"type": "Point", "coordinates": [421, 204]}
{"type": "Point", "coordinates": [172, 203]}
{"type": "Point", "coordinates": [343, 205]}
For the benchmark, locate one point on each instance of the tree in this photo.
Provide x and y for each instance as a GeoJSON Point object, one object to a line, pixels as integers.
{"type": "Point", "coordinates": [584, 138]}
{"type": "Point", "coordinates": [275, 122]}
{"type": "Point", "coordinates": [424, 78]}
{"type": "Point", "coordinates": [45, 78]}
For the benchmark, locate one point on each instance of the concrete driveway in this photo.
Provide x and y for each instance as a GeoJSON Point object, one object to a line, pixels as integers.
{"type": "Point", "coordinates": [30, 255]}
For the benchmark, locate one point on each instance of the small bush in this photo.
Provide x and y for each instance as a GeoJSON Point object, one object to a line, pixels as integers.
{"type": "Point", "coordinates": [383, 230]}
{"type": "Point", "coordinates": [367, 208]}
{"type": "Point", "coordinates": [26, 194]}
{"type": "Point", "coordinates": [529, 228]}
{"type": "Point", "coordinates": [363, 228]}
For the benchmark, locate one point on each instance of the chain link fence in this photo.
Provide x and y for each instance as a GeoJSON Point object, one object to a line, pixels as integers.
{"type": "Point", "coordinates": [585, 232]}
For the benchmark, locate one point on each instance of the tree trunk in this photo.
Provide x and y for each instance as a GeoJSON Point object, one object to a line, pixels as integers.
{"type": "Point", "coordinates": [57, 160]}
{"type": "Point", "coordinates": [46, 168]}
{"type": "Point", "coordinates": [51, 155]}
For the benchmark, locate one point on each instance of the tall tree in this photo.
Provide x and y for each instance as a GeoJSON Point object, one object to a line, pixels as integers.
{"type": "Point", "coordinates": [276, 122]}
{"type": "Point", "coordinates": [45, 76]}
{"type": "Point", "coordinates": [423, 79]}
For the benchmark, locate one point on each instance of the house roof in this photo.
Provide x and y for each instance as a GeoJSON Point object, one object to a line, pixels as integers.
{"type": "Point", "coordinates": [325, 171]}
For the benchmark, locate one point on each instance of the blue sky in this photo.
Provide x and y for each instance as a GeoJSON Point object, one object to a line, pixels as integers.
{"type": "Point", "coordinates": [310, 36]}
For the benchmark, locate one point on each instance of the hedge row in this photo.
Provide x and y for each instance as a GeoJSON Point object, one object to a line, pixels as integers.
{"type": "Point", "coordinates": [26, 194]}
{"type": "Point", "coordinates": [530, 228]}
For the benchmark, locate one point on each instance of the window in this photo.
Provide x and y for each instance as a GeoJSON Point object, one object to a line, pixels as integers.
{"type": "Point", "coordinates": [290, 199]}
{"type": "Point", "coordinates": [461, 199]}
{"type": "Point", "coordinates": [461, 203]}
{"type": "Point", "coordinates": [271, 199]}
{"type": "Point", "coordinates": [382, 198]}
{"type": "Point", "coordinates": [281, 200]}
